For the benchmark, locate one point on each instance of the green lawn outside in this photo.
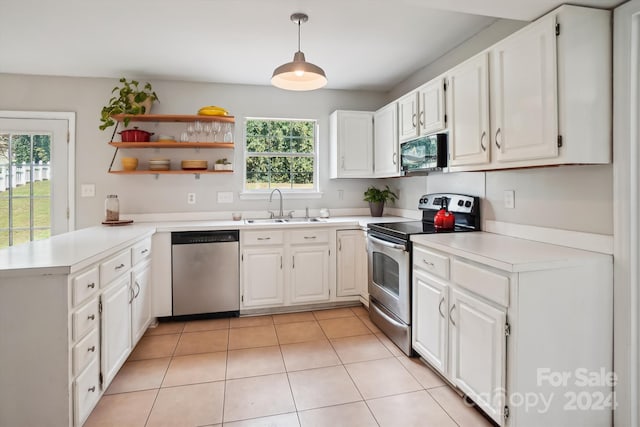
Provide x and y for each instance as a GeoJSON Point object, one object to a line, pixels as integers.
{"type": "Point", "coordinates": [21, 213]}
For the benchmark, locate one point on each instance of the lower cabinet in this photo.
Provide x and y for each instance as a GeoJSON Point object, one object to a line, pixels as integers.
{"type": "Point", "coordinates": [262, 276]}
{"type": "Point", "coordinates": [351, 264]}
{"type": "Point", "coordinates": [141, 302]}
{"type": "Point", "coordinates": [309, 276]}
{"type": "Point", "coordinates": [116, 328]}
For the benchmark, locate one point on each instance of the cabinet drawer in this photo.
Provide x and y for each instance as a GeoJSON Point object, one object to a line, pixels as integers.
{"type": "Point", "coordinates": [84, 285]}
{"type": "Point", "coordinates": [86, 349]}
{"type": "Point", "coordinates": [86, 392]}
{"type": "Point", "coordinates": [309, 236]}
{"type": "Point", "coordinates": [114, 267]}
{"type": "Point", "coordinates": [85, 319]}
{"type": "Point", "coordinates": [431, 262]}
{"type": "Point", "coordinates": [141, 251]}
{"type": "Point", "coordinates": [486, 283]}
{"type": "Point", "coordinates": [263, 237]}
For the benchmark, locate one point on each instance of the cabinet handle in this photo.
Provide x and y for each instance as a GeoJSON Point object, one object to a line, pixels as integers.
{"type": "Point", "coordinates": [132, 294]}
{"type": "Point", "coordinates": [92, 389]}
{"type": "Point", "coordinates": [280, 262]}
{"type": "Point", "coordinates": [395, 158]}
{"type": "Point", "coordinates": [264, 238]}
{"type": "Point", "coordinates": [342, 163]}
{"type": "Point", "coordinates": [440, 308]}
{"type": "Point", "coordinates": [91, 285]}
{"type": "Point", "coordinates": [92, 348]}
{"type": "Point", "coordinates": [451, 318]}
{"type": "Point", "coordinates": [484, 147]}
{"type": "Point", "coordinates": [91, 317]}
{"type": "Point", "coordinates": [413, 120]}
{"type": "Point", "coordinates": [138, 291]}
{"type": "Point", "coordinates": [118, 267]}
{"type": "Point", "coordinates": [497, 143]}
{"type": "Point", "coordinates": [429, 263]}
{"type": "Point", "coordinates": [293, 261]}
{"type": "Point", "coordinates": [340, 244]}
{"type": "Point", "coordinates": [310, 237]}
{"type": "Point", "coordinates": [421, 118]}
{"type": "Point", "coordinates": [144, 251]}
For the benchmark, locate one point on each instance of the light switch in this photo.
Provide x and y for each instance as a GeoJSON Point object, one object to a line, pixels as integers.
{"type": "Point", "coordinates": [225, 196]}
{"type": "Point", "coordinates": [88, 190]}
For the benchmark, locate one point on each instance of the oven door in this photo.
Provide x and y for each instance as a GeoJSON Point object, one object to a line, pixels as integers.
{"type": "Point", "coordinates": [389, 284]}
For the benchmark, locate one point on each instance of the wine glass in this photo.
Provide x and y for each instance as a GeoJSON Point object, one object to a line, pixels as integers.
{"type": "Point", "coordinates": [228, 136]}
{"type": "Point", "coordinates": [197, 127]}
{"type": "Point", "coordinates": [191, 130]}
{"type": "Point", "coordinates": [208, 130]}
{"type": "Point", "coordinates": [217, 127]}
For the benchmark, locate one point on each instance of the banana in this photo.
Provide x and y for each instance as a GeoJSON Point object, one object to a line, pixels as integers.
{"type": "Point", "coordinates": [212, 110]}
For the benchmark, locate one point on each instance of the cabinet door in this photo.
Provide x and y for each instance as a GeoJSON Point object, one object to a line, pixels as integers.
{"type": "Point", "coordinates": [524, 94]}
{"type": "Point", "coordinates": [354, 144]}
{"type": "Point", "coordinates": [468, 101]}
{"type": "Point", "coordinates": [141, 304]}
{"type": "Point", "coordinates": [385, 139]}
{"type": "Point", "coordinates": [430, 324]}
{"type": "Point", "coordinates": [432, 110]}
{"type": "Point", "coordinates": [478, 351]}
{"type": "Point", "coordinates": [116, 328]}
{"type": "Point", "coordinates": [351, 264]}
{"type": "Point", "coordinates": [309, 273]}
{"type": "Point", "coordinates": [262, 278]}
{"type": "Point", "coordinates": [408, 117]}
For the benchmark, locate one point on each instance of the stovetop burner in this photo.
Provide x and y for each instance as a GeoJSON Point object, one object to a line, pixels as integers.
{"type": "Point", "coordinates": [465, 209]}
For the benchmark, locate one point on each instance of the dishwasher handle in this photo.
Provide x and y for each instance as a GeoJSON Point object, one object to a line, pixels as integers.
{"type": "Point", "coordinates": [204, 236]}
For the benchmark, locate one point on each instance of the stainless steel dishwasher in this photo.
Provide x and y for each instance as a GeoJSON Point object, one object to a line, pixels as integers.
{"type": "Point", "coordinates": [205, 272]}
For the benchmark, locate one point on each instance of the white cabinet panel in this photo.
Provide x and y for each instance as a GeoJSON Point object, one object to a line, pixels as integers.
{"type": "Point", "coordinates": [385, 138]}
{"type": "Point", "coordinates": [408, 117]}
{"type": "Point", "coordinates": [309, 274]}
{"type": "Point", "coordinates": [116, 328]}
{"type": "Point", "coordinates": [352, 263]}
{"type": "Point", "coordinates": [262, 276]}
{"type": "Point", "coordinates": [351, 142]}
{"type": "Point", "coordinates": [432, 116]}
{"type": "Point", "coordinates": [141, 304]}
{"type": "Point", "coordinates": [478, 350]}
{"type": "Point", "coordinates": [524, 94]}
{"type": "Point", "coordinates": [468, 103]}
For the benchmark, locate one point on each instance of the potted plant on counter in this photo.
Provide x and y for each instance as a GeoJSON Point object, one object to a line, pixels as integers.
{"type": "Point", "coordinates": [130, 99]}
{"type": "Point", "coordinates": [377, 198]}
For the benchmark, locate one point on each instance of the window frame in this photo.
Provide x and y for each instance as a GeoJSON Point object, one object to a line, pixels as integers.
{"type": "Point", "coordinates": [291, 192]}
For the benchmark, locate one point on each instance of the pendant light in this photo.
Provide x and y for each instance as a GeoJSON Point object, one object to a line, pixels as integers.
{"type": "Point", "coordinates": [299, 74]}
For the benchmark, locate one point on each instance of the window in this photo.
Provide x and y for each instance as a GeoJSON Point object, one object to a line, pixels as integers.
{"type": "Point", "coordinates": [280, 153]}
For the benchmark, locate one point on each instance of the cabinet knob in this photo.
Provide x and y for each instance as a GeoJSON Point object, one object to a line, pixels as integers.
{"type": "Point", "coordinates": [144, 251]}
{"type": "Point", "coordinates": [92, 348]}
{"type": "Point", "coordinates": [92, 389]}
{"type": "Point", "coordinates": [91, 285]}
{"type": "Point", "coordinates": [264, 238]}
{"type": "Point", "coordinates": [309, 237]}
{"type": "Point", "coordinates": [118, 267]}
{"type": "Point", "coordinates": [429, 263]}
{"type": "Point", "coordinates": [91, 317]}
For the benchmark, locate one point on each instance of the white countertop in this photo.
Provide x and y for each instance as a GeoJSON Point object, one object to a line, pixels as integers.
{"type": "Point", "coordinates": [508, 253]}
{"type": "Point", "coordinates": [69, 252]}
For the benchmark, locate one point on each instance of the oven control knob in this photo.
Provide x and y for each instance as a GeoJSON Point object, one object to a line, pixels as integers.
{"type": "Point", "coordinates": [422, 201]}
{"type": "Point", "coordinates": [460, 202]}
{"type": "Point", "coordinates": [467, 204]}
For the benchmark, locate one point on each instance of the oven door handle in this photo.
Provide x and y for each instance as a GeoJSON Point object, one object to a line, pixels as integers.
{"type": "Point", "coordinates": [387, 244]}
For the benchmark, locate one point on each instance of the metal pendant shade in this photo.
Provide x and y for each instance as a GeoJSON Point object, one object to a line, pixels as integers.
{"type": "Point", "coordinates": [299, 74]}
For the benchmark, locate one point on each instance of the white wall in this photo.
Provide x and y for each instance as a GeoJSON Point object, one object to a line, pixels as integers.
{"type": "Point", "coordinates": [144, 193]}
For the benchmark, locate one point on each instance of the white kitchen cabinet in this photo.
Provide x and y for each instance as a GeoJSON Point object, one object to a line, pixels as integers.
{"type": "Point", "coordinates": [513, 322]}
{"type": "Point", "coordinates": [309, 273]}
{"type": "Point", "coordinates": [351, 144]}
{"type": "Point", "coordinates": [432, 116]}
{"type": "Point", "coordinates": [385, 139]}
{"type": "Point", "coordinates": [351, 264]}
{"type": "Point", "coordinates": [468, 104]}
{"type": "Point", "coordinates": [141, 303]}
{"type": "Point", "coordinates": [115, 328]}
{"type": "Point", "coordinates": [524, 99]}
{"type": "Point", "coordinates": [478, 350]}
{"type": "Point", "coordinates": [430, 325]}
{"type": "Point", "coordinates": [408, 117]}
{"type": "Point", "coordinates": [262, 276]}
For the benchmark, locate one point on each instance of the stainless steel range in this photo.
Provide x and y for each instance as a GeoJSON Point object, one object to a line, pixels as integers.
{"type": "Point", "coordinates": [390, 258]}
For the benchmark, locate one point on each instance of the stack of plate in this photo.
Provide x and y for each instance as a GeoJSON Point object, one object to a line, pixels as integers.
{"type": "Point", "coordinates": [195, 164]}
{"type": "Point", "coordinates": [159, 164]}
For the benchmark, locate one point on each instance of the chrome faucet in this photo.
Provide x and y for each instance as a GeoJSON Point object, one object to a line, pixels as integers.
{"type": "Point", "coordinates": [281, 213]}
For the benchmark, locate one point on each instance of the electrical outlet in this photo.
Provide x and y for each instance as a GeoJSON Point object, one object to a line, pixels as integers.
{"type": "Point", "coordinates": [509, 199]}
{"type": "Point", "coordinates": [191, 198]}
{"type": "Point", "coordinates": [340, 194]}
{"type": "Point", "coordinates": [88, 190]}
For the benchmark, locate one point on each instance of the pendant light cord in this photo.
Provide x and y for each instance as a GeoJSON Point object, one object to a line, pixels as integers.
{"type": "Point", "coordinates": [298, 35]}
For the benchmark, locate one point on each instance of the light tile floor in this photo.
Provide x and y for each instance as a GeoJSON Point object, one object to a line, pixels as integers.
{"type": "Point", "coordinates": [324, 368]}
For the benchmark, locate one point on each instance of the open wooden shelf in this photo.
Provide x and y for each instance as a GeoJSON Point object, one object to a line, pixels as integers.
{"type": "Point", "coordinates": [169, 172]}
{"type": "Point", "coordinates": [172, 118]}
{"type": "Point", "coordinates": [229, 145]}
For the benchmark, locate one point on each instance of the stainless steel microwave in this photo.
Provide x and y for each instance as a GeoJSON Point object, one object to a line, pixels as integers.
{"type": "Point", "coordinates": [428, 153]}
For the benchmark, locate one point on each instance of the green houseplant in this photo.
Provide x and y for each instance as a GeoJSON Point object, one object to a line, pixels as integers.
{"type": "Point", "coordinates": [129, 99]}
{"type": "Point", "coordinates": [377, 198]}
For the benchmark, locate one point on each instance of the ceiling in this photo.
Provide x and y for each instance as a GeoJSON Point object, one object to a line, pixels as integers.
{"type": "Point", "coordinates": [361, 44]}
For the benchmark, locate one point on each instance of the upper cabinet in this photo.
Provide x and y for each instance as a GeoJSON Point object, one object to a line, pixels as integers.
{"type": "Point", "coordinates": [468, 102]}
{"type": "Point", "coordinates": [549, 96]}
{"type": "Point", "coordinates": [422, 112]}
{"type": "Point", "coordinates": [385, 142]}
{"type": "Point", "coordinates": [351, 144]}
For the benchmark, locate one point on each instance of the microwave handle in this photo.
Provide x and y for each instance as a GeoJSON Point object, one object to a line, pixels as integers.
{"type": "Point", "coordinates": [387, 244]}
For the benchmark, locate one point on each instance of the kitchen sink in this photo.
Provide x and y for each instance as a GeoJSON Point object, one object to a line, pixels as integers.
{"type": "Point", "coordinates": [282, 220]}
